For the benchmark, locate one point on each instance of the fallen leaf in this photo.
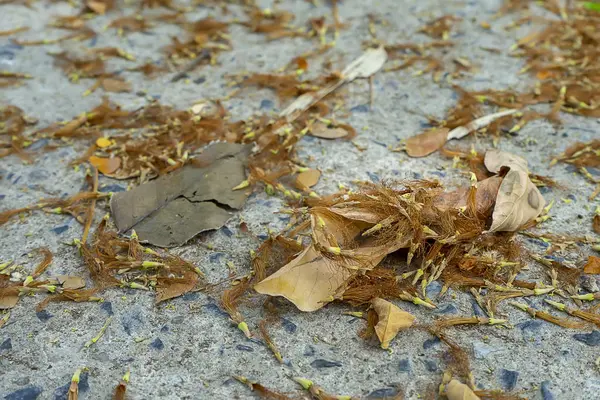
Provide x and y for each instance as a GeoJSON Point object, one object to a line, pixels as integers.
{"type": "Point", "coordinates": [364, 66]}
{"type": "Point", "coordinates": [592, 266]}
{"type": "Point", "coordinates": [519, 200]}
{"type": "Point", "coordinates": [103, 142]}
{"type": "Point", "coordinates": [485, 197]}
{"type": "Point", "coordinates": [309, 281]}
{"type": "Point", "coordinates": [321, 130]}
{"type": "Point", "coordinates": [477, 124]}
{"type": "Point", "coordinates": [177, 289]}
{"type": "Point", "coordinates": [105, 165]}
{"type": "Point", "coordinates": [115, 85]}
{"type": "Point", "coordinates": [307, 179]}
{"type": "Point", "coordinates": [97, 6]}
{"type": "Point", "coordinates": [596, 223]}
{"type": "Point", "coordinates": [456, 390]}
{"type": "Point", "coordinates": [496, 159]}
{"type": "Point", "coordinates": [71, 282]}
{"type": "Point", "coordinates": [428, 142]}
{"type": "Point", "coordinates": [8, 302]}
{"type": "Point", "coordinates": [391, 320]}
{"type": "Point", "coordinates": [172, 209]}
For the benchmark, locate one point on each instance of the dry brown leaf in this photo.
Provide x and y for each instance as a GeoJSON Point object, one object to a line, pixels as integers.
{"type": "Point", "coordinates": [596, 224]}
{"type": "Point", "coordinates": [115, 85]}
{"type": "Point", "coordinates": [8, 302]}
{"type": "Point", "coordinates": [427, 142]}
{"type": "Point", "coordinates": [592, 266]}
{"type": "Point", "coordinates": [71, 282]}
{"type": "Point", "coordinates": [309, 280]}
{"type": "Point", "coordinates": [173, 290]}
{"type": "Point", "coordinates": [321, 130]}
{"type": "Point", "coordinates": [485, 198]}
{"type": "Point", "coordinates": [496, 159]}
{"type": "Point", "coordinates": [307, 179]}
{"type": "Point", "coordinates": [105, 165]}
{"type": "Point", "coordinates": [391, 320]}
{"type": "Point", "coordinates": [97, 6]}
{"type": "Point", "coordinates": [519, 200]}
{"type": "Point", "coordinates": [456, 390]}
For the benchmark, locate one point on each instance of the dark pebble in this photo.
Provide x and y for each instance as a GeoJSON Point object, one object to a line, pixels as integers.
{"type": "Point", "coordinates": [362, 108]}
{"type": "Point", "coordinates": [591, 339]}
{"type": "Point", "coordinates": [373, 177]}
{"type": "Point", "coordinates": [215, 257]}
{"type": "Point", "coordinates": [288, 325]}
{"type": "Point", "coordinates": [28, 393]}
{"type": "Point", "coordinates": [546, 392]}
{"type": "Point", "coordinates": [2, 196]}
{"type": "Point", "coordinates": [200, 80]}
{"type": "Point", "coordinates": [532, 325]}
{"type": "Point", "coordinates": [416, 175]}
{"type": "Point", "coordinates": [214, 309]}
{"type": "Point", "coordinates": [309, 351]}
{"type": "Point", "coordinates": [164, 329]}
{"type": "Point", "coordinates": [7, 55]}
{"type": "Point", "coordinates": [60, 229]}
{"type": "Point", "coordinates": [157, 344]}
{"type": "Point", "coordinates": [446, 308]}
{"type": "Point", "coordinates": [107, 307]}
{"type": "Point", "coordinates": [6, 345]}
{"type": "Point", "coordinates": [404, 365]}
{"type": "Point", "coordinates": [508, 379]}
{"type": "Point", "coordinates": [241, 347]}
{"type": "Point", "coordinates": [429, 343]}
{"type": "Point", "coordinates": [131, 321]}
{"type": "Point", "coordinates": [320, 363]}
{"type": "Point", "coordinates": [379, 143]}
{"type": "Point", "coordinates": [383, 393]}
{"type": "Point", "coordinates": [43, 315]}
{"type": "Point", "coordinates": [544, 189]}
{"type": "Point", "coordinates": [189, 296]}
{"type": "Point", "coordinates": [38, 145]}
{"type": "Point", "coordinates": [433, 289]}
{"type": "Point", "coordinates": [38, 175]}
{"type": "Point", "coordinates": [431, 365]}
{"type": "Point", "coordinates": [572, 197]}
{"type": "Point", "coordinates": [476, 309]}
{"type": "Point", "coordinates": [262, 236]}
{"type": "Point", "coordinates": [227, 231]}
{"type": "Point", "coordinates": [438, 173]}
{"type": "Point", "coordinates": [266, 104]}
{"type": "Point", "coordinates": [112, 188]}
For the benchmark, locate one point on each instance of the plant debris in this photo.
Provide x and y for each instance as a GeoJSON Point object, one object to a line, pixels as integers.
{"type": "Point", "coordinates": [174, 208]}
{"type": "Point", "coordinates": [391, 319]}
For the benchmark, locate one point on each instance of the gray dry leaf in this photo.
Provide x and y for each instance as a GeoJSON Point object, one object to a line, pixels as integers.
{"type": "Point", "coordinates": [172, 209]}
{"type": "Point", "coordinates": [519, 200]}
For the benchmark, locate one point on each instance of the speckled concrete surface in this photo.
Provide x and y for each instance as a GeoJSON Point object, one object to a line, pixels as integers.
{"type": "Point", "coordinates": [188, 349]}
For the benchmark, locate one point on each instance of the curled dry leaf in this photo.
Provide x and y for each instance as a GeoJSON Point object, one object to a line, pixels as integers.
{"type": "Point", "coordinates": [391, 320]}
{"type": "Point", "coordinates": [462, 131]}
{"type": "Point", "coordinates": [592, 266]}
{"type": "Point", "coordinates": [485, 197]}
{"type": "Point", "coordinates": [115, 85]}
{"type": "Point", "coordinates": [308, 281]}
{"type": "Point", "coordinates": [105, 165]}
{"type": "Point", "coordinates": [427, 142]}
{"type": "Point", "coordinates": [71, 282]}
{"type": "Point", "coordinates": [321, 130]}
{"type": "Point", "coordinates": [456, 390]}
{"type": "Point", "coordinates": [364, 66]}
{"type": "Point", "coordinates": [519, 200]}
{"type": "Point", "coordinates": [307, 179]}
{"type": "Point", "coordinates": [596, 224]}
{"type": "Point", "coordinates": [8, 301]}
